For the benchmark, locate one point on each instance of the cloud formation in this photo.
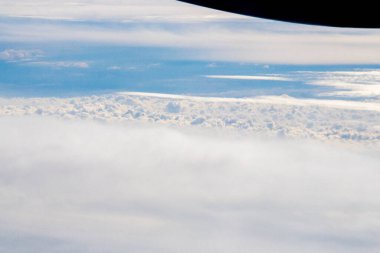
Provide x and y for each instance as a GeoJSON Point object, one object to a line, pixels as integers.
{"type": "Point", "coordinates": [358, 83]}
{"type": "Point", "coordinates": [61, 64]}
{"type": "Point", "coordinates": [202, 33]}
{"type": "Point", "coordinates": [217, 41]}
{"type": "Point", "coordinates": [284, 116]}
{"type": "Point", "coordinates": [20, 55]}
{"type": "Point", "coordinates": [85, 187]}
{"type": "Point", "coordinates": [352, 84]}
{"type": "Point", "coordinates": [261, 78]}
{"type": "Point", "coordinates": [111, 10]}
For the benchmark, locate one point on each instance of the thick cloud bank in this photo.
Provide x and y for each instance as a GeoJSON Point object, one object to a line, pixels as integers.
{"type": "Point", "coordinates": [88, 187]}
{"type": "Point", "coordinates": [325, 120]}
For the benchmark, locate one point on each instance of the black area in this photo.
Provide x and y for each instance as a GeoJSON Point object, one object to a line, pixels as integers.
{"type": "Point", "coordinates": [354, 14]}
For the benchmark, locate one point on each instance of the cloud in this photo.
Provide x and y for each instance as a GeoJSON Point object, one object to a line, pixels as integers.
{"type": "Point", "coordinates": [115, 10]}
{"type": "Point", "coordinates": [358, 83]}
{"type": "Point", "coordinates": [290, 118]}
{"type": "Point", "coordinates": [216, 41]}
{"type": "Point", "coordinates": [134, 68]}
{"type": "Point", "coordinates": [61, 64]}
{"type": "Point", "coordinates": [115, 68]}
{"type": "Point", "coordinates": [352, 84]}
{"type": "Point", "coordinates": [200, 33]}
{"type": "Point", "coordinates": [87, 187]}
{"type": "Point", "coordinates": [20, 55]}
{"type": "Point", "coordinates": [261, 78]}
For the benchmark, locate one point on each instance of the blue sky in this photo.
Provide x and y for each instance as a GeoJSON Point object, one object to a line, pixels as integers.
{"type": "Point", "coordinates": [90, 47]}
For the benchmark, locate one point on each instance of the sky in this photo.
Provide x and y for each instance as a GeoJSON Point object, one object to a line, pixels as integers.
{"type": "Point", "coordinates": [157, 126]}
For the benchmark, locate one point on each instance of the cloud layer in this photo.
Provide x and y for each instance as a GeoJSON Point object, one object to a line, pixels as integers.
{"type": "Point", "coordinates": [86, 187]}
{"type": "Point", "coordinates": [111, 10]}
{"type": "Point", "coordinates": [202, 33]}
{"type": "Point", "coordinates": [324, 120]}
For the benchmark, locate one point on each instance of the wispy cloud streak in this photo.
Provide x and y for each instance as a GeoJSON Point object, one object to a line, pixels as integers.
{"type": "Point", "coordinates": [60, 64]}
{"type": "Point", "coordinates": [258, 78]}
{"type": "Point", "coordinates": [351, 84]}
{"type": "Point", "coordinates": [15, 55]}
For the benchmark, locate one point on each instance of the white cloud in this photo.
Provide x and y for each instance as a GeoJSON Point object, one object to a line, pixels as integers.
{"type": "Point", "coordinates": [85, 187]}
{"type": "Point", "coordinates": [217, 41]}
{"type": "Point", "coordinates": [115, 68]}
{"type": "Point", "coordinates": [20, 55]}
{"type": "Point", "coordinates": [360, 83]}
{"type": "Point", "coordinates": [137, 67]}
{"type": "Point", "coordinates": [211, 35]}
{"type": "Point", "coordinates": [262, 78]}
{"type": "Point", "coordinates": [61, 64]}
{"type": "Point", "coordinates": [323, 120]}
{"type": "Point", "coordinates": [114, 10]}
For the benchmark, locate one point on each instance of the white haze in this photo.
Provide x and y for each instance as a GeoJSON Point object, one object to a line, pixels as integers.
{"type": "Point", "coordinates": [89, 187]}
